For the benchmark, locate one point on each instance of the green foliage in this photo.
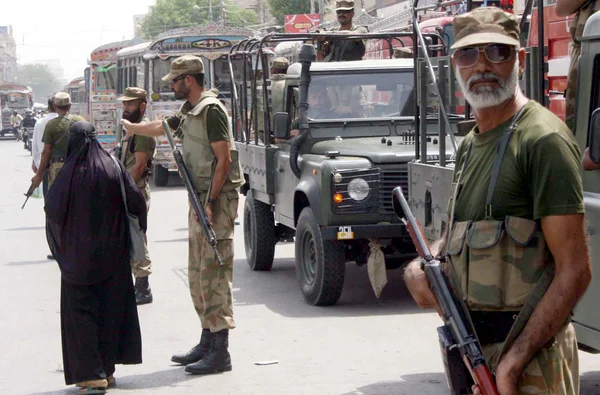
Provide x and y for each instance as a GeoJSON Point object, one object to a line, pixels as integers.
{"type": "Point", "coordinates": [40, 79]}
{"type": "Point", "coordinates": [175, 14]}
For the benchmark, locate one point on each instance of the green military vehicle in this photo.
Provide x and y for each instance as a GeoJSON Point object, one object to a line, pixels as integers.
{"type": "Point", "coordinates": [329, 186]}
{"type": "Point", "coordinates": [430, 181]}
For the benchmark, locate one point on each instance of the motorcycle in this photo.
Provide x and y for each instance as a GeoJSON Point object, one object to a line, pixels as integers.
{"type": "Point", "coordinates": [27, 136]}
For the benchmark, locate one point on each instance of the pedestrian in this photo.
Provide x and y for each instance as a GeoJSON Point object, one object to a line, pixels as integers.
{"type": "Point", "coordinates": [87, 231]}
{"type": "Point", "coordinates": [136, 155]}
{"type": "Point", "coordinates": [514, 216]}
{"type": "Point", "coordinates": [37, 145]}
{"type": "Point", "coordinates": [210, 155]}
{"type": "Point", "coordinates": [582, 9]}
{"type": "Point", "coordinates": [336, 50]}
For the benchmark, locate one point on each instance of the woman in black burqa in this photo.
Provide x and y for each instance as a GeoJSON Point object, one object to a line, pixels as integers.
{"type": "Point", "coordinates": [87, 231]}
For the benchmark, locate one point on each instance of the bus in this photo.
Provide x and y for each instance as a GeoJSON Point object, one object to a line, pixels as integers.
{"type": "Point", "coordinates": [212, 43]}
{"type": "Point", "coordinates": [13, 97]}
{"type": "Point", "coordinates": [76, 88]}
{"type": "Point", "coordinates": [101, 80]}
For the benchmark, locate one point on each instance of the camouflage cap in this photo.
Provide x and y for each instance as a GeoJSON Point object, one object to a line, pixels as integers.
{"type": "Point", "coordinates": [134, 93]}
{"type": "Point", "coordinates": [280, 63]}
{"type": "Point", "coordinates": [344, 5]}
{"type": "Point", "coordinates": [402, 53]}
{"type": "Point", "coordinates": [485, 25]}
{"type": "Point", "coordinates": [186, 64]}
{"type": "Point", "coordinates": [62, 99]}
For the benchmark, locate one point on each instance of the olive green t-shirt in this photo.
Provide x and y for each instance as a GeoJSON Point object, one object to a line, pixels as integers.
{"type": "Point", "coordinates": [216, 120]}
{"type": "Point", "coordinates": [56, 133]}
{"type": "Point", "coordinates": [140, 144]}
{"type": "Point", "coordinates": [540, 173]}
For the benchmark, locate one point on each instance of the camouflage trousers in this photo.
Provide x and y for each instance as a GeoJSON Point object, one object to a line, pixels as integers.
{"type": "Point", "coordinates": [211, 284]}
{"type": "Point", "coordinates": [554, 370]}
{"type": "Point", "coordinates": [570, 94]}
{"type": "Point", "coordinates": [53, 171]}
{"type": "Point", "coordinates": [143, 268]}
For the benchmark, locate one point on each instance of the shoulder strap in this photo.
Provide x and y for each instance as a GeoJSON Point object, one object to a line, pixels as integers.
{"type": "Point", "coordinates": [500, 151]}
{"type": "Point", "coordinates": [122, 182]}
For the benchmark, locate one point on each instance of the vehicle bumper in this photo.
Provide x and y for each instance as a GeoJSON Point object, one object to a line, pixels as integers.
{"type": "Point", "coordinates": [355, 232]}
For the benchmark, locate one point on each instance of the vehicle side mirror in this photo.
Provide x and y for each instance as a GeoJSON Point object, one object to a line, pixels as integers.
{"type": "Point", "coordinates": [594, 148]}
{"type": "Point", "coordinates": [281, 123]}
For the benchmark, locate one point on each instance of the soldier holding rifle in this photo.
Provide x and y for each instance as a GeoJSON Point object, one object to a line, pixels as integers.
{"type": "Point", "coordinates": [517, 239]}
{"type": "Point", "coordinates": [210, 156]}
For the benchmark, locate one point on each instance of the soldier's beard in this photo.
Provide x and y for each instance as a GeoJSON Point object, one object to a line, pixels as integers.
{"type": "Point", "coordinates": [488, 96]}
{"type": "Point", "coordinates": [133, 117]}
{"type": "Point", "coordinates": [182, 93]}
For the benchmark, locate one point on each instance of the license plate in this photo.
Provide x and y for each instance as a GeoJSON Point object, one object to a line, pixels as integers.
{"type": "Point", "coordinates": [345, 233]}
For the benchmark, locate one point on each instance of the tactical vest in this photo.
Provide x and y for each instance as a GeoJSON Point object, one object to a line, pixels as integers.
{"type": "Point", "coordinates": [497, 264]}
{"type": "Point", "coordinates": [581, 17]}
{"type": "Point", "coordinates": [197, 150]}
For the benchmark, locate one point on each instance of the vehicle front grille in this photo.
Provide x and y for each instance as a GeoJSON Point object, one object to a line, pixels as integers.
{"type": "Point", "coordinates": [390, 179]}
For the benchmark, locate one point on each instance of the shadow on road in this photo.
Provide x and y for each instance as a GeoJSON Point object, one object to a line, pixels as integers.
{"type": "Point", "coordinates": [278, 290]}
{"type": "Point", "coordinates": [590, 383]}
{"type": "Point", "coordinates": [25, 263]}
{"type": "Point", "coordinates": [411, 384]}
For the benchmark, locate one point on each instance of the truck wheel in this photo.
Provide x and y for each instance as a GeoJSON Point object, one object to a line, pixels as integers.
{"type": "Point", "coordinates": [161, 176]}
{"type": "Point", "coordinates": [320, 264]}
{"type": "Point", "coordinates": [259, 234]}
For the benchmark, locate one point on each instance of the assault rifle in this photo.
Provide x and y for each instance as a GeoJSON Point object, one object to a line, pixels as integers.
{"type": "Point", "coordinates": [28, 194]}
{"type": "Point", "coordinates": [457, 331]}
{"type": "Point", "coordinates": [193, 194]}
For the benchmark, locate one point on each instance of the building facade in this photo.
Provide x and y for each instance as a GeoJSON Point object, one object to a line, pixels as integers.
{"type": "Point", "coordinates": [8, 55]}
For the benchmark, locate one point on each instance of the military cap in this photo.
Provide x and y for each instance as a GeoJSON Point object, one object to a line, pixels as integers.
{"type": "Point", "coordinates": [485, 25]}
{"type": "Point", "coordinates": [134, 93]}
{"type": "Point", "coordinates": [280, 63]}
{"type": "Point", "coordinates": [186, 64]}
{"type": "Point", "coordinates": [402, 53]}
{"type": "Point", "coordinates": [62, 99]}
{"type": "Point", "coordinates": [344, 5]}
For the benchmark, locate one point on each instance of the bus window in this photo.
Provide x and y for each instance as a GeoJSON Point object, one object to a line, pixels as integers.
{"type": "Point", "coordinates": [106, 78]}
{"type": "Point", "coordinates": [222, 77]}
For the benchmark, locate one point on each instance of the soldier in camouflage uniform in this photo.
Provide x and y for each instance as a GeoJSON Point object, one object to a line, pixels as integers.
{"type": "Point", "coordinates": [211, 157]}
{"type": "Point", "coordinates": [276, 92]}
{"type": "Point", "coordinates": [136, 155]}
{"type": "Point", "coordinates": [582, 9]}
{"type": "Point", "coordinates": [343, 50]}
{"type": "Point", "coordinates": [507, 233]}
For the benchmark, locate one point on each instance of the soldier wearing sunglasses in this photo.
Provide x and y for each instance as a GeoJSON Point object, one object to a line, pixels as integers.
{"type": "Point", "coordinates": [510, 226]}
{"type": "Point", "coordinates": [343, 50]}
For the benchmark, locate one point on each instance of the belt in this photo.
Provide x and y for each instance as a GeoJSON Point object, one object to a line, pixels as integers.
{"type": "Point", "coordinates": [58, 159]}
{"type": "Point", "coordinates": [493, 326]}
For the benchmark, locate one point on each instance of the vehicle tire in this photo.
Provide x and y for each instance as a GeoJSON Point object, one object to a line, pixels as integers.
{"type": "Point", "coordinates": [259, 234]}
{"type": "Point", "coordinates": [160, 175]}
{"type": "Point", "coordinates": [320, 264]}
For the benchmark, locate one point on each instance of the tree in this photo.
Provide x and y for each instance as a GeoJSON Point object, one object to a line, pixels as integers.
{"type": "Point", "coordinates": [40, 79]}
{"type": "Point", "coordinates": [280, 8]}
{"type": "Point", "coordinates": [174, 14]}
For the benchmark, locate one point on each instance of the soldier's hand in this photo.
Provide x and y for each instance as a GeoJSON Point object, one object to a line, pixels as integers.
{"type": "Point", "coordinates": [508, 372]}
{"type": "Point", "coordinates": [209, 213]}
{"type": "Point", "coordinates": [419, 288]}
{"type": "Point", "coordinates": [37, 180]}
{"type": "Point", "coordinates": [127, 126]}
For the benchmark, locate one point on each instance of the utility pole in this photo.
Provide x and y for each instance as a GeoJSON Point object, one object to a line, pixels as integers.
{"type": "Point", "coordinates": [312, 6]}
{"type": "Point", "coordinates": [210, 14]}
{"type": "Point", "coordinates": [321, 21]}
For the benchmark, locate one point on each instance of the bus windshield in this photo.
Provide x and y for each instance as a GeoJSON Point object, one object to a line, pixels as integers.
{"type": "Point", "coordinates": [17, 100]}
{"type": "Point", "coordinates": [361, 95]}
{"type": "Point", "coordinates": [106, 77]}
{"type": "Point", "coordinates": [161, 67]}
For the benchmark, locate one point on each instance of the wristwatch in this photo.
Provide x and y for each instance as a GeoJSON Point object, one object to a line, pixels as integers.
{"type": "Point", "coordinates": [212, 201]}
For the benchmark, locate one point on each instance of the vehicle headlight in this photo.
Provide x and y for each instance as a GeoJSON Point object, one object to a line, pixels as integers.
{"type": "Point", "coordinates": [358, 189]}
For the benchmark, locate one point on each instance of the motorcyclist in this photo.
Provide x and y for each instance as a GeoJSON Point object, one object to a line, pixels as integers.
{"type": "Point", "coordinates": [15, 122]}
{"type": "Point", "coordinates": [28, 124]}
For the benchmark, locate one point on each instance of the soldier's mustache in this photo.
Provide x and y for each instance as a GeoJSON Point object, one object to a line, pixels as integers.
{"type": "Point", "coordinates": [486, 76]}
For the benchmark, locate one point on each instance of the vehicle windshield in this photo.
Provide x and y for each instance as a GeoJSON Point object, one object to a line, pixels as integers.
{"type": "Point", "coordinates": [106, 77]}
{"type": "Point", "coordinates": [222, 77]}
{"type": "Point", "coordinates": [364, 95]}
{"type": "Point", "coordinates": [17, 100]}
{"type": "Point", "coordinates": [161, 67]}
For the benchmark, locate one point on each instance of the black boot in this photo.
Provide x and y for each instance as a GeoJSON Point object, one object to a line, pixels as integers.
{"type": "Point", "coordinates": [218, 358]}
{"type": "Point", "coordinates": [198, 351]}
{"type": "Point", "coordinates": [143, 293]}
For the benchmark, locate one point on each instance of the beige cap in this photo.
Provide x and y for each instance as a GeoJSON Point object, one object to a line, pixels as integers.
{"type": "Point", "coordinates": [62, 99]}
{"type": "Point", "coordinates": [485, 25]}
{"type": "Point", "coordinates": [344, 5]}
{"type": "Point", "coordinates": [134, 93]}
{"type": "Point", "coordinates": [280, 63]}
{"type": "Point", "coordinates": [186, 64]}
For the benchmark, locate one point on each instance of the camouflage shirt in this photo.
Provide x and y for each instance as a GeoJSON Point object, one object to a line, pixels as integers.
{"type": "Point", "coordinates": [581, 17]}
{"type": "Point", "coordinates": [540, 173]}
{"type": "Point", "coordinates": [345, 50]}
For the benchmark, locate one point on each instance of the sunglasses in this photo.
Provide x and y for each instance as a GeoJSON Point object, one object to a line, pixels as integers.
{"type": "Point", "coordinates": [342, 12]}
{"type": "Point", "coordinates": [178, 78]}
{"type": "Point", "coordinates": [495, 53]}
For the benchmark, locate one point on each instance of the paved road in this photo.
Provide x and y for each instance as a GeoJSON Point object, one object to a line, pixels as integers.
{"type": "Point", "coordinates": [360, 346]}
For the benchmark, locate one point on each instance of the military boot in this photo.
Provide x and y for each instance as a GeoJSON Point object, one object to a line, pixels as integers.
{"type": "Point", "coordinates": [198, 351]}
{"type": "Point", "coordinates": [218, 358]}
{"type": "Point", "coordinates": [143, 293]}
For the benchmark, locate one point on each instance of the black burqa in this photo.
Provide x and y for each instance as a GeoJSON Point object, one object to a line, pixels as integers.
{"type": "Point", "coordinates": [87, 233]}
